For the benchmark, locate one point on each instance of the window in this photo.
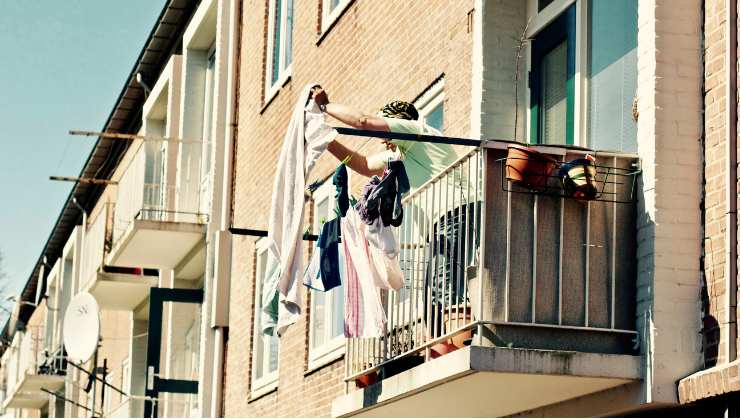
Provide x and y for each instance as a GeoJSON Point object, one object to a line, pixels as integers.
{"type": "Point", "coordinates": [326, 330]}
{"type": "Point", "coordinates": [431, 106]}
{"type": "Point", "coordinates": [265, 350]}
{"type": "Point", "coordinates": [126, 376]}
{"type": "Point", "coordinates": [552, 81]}
{"type": "Point", "coordinates": [279, 44]}
{"type": "Point", "coordinates": [583, 72]}
{"type": "Point", "coordinates": [330, 11]}
{"type": "Point", "coordinates": [612, 75]}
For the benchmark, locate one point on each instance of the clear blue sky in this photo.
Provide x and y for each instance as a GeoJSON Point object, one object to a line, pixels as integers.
{"type": "Point", "coordinates": [64, 64]}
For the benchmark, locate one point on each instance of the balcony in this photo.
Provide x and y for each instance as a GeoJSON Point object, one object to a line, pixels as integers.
{"type": "Point", "coordinates": [29, 371]}
{"type": "Point", "coordinates": [147, 230]}
{"type": "Point", "coordinates": [514, 299]}
{"type": "Point", "coordinates": [115, 288]}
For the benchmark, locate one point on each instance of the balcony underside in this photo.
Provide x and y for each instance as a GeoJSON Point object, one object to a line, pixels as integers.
{"type": "Point", "coordinates": [156, 244]}
{"type": "Point", "coordinates": [115, 291]}
{"type": "Point", "coordinates": [28, 393]}
{"type": "Point", "coordinates": [489, 382]}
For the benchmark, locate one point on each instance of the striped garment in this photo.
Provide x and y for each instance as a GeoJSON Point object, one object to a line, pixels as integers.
{"type": "Point", "coordinates": [363, 310]}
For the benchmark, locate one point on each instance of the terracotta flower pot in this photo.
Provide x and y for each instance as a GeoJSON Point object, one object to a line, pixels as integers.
{"type": "Point", "coordinates": [529, 167]}
{"type": "Point", "coordinates": [457, 317]}
{"type": "Point", "coordinates": [366, 380]}
{"type": "Point", "coordinates": [440, 349]}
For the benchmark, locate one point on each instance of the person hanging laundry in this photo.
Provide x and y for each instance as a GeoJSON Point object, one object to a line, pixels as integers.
{"type": "Point", "coordinates": [423, 161]}
{"type": "Point", "coordinates": [305, 140]}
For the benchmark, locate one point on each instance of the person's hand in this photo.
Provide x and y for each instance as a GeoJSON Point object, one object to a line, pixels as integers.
{"type": "Point", "coordinates": [389, 146]}
{"type": "Point", "coordinates": [319, 95]}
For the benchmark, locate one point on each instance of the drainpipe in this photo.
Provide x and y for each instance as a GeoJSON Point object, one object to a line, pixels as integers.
{"type": "Point", "coordinates": [227, 210]}
{"type": "Point", "coordinates": [82, 245]}
{"type": "Point", "coordinates": [731, 190]}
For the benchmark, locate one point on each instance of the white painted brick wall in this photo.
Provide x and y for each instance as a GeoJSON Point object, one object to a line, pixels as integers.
{"type": "Point", "coordinates": [669, 238]}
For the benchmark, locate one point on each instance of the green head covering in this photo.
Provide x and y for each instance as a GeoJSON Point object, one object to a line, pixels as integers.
{"type": "Point", "coordinates": [400, 109]}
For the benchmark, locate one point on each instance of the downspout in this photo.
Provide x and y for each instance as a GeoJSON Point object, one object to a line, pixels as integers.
{"type": "Point", "coordinates": [228, 211]}
{"type": "Point", "coordinates": [731, 190]}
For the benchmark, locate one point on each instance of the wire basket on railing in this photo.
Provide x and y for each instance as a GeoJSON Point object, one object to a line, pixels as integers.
{"type": "Point", "coordinates": [528, 171]}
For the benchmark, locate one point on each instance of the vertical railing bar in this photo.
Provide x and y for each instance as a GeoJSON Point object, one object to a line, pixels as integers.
{"type": "Point", "coordinates": [560, 261]}
{"type": "Point", "coordinates": [426, 285]}
{"type": "Point", "coordinates": [466, 255]}
{"type": "Point", "coordinates": [588, 262]}
{"type": "Point", "coordinates": [614, 255]}
{"type": "Point", "coordinates": [457, 190]}
{"type": "Point", "coordinates": [447, 270]}
{"type": "Point", "coordinates": [437, 245]}
{"type": "Point", "coordinates": [534, 259]}
{"type": "Point", "coordinates": [508, 251]}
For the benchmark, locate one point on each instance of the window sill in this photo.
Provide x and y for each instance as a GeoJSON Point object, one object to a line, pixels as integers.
{"type": "Point", "coordinates": [263, 390]}
{"type": "Point", "coordinates": [325, 359]}
{"type": "Point", "coordinates": [332, 21]}
{"type": "Point", "coordinates": [273, 91]}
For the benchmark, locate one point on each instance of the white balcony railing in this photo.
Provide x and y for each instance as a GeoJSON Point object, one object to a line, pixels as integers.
{"type": "Point", "coordinates": [439, 239]}
{"type": "Point", "coordinates": [27, 356]}
{"type": "Point", "coordinates": [140, 199]}
{"type": "Point", "coordinates": [96, 244]}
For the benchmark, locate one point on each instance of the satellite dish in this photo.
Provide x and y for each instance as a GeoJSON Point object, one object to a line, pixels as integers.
{"type": "Point", "coordinates": [81, 327]}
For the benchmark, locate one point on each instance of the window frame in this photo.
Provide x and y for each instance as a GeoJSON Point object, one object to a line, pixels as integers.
{"type": "Point", "coordinates": [333, 347]}
{"type": "Point", "coordinates": [284, 72]}
{"type": "Point", "coordinates": [540, 20]}
{"type": "Point", "coordinates": [205, 184]}
{"type": "Point", "coordinates": [329, 17]}
{"type": "Point", "coordinates": [561, 29]}
{"type": "Point", "coordinates": [269, 380]}
{"type": "Point", "coordinates": [430, 100]}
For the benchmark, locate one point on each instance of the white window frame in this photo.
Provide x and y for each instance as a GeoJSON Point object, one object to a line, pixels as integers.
{"type": "Point", "coordinates": [430, 100]}
{"type": "Point", "coordinates": [328, 17]}
{"type": "Point", "coordinates": [539, 21]}
{"type": "Point", "coordinates": [284, 72]}
{"type": "Point", "coordinates": [334, 347]}
{"type": "Point", "coordinates": [269, 380]}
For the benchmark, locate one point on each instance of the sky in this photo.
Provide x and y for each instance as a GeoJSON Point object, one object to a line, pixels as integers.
{"type": "Point", "coordinates": [64, 64]}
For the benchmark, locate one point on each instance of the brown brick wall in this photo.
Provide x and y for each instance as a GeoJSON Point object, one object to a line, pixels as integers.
{"type": "Point", "coordinates": [375, 52]}
{"type": "Point", "coordinates": [715, 180]}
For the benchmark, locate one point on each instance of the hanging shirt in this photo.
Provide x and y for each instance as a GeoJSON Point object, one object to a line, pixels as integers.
{"type": "Point", "coordinates": [363, 310]}
{"type": "Point", "coordinates": [306, 139]}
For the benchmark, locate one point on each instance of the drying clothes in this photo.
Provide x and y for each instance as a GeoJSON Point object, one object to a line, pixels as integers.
{"type": "Point", "coordinates": [381, 198]}
{"type": "Point", "coordinates": [312, 275]}
{"type": "Point", "coordinates": [368, 211]}
{"type": "Point", "coordinates": [328, 245]}
{"type": "Point", "coordinates": [342, 195]}
{"type": "Point", "coordinates": [363, 310]}
{"type": "Point", "coordinates": [383, 253]}
{"type": "Point", "coordinates": [305, 140]}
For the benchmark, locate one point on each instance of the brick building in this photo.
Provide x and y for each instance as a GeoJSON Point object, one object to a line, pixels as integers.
{"type": "Point", "coordinates": [618, 306]}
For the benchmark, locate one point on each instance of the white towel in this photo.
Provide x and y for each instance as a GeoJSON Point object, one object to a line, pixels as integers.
{"type": "Point", "coordinates": [305, 140]}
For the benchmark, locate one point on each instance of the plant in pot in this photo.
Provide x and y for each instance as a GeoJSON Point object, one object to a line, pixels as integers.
{"type": "Point", "coordinates": [579, 178]}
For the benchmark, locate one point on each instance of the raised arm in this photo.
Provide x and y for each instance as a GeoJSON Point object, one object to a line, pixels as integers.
{"type": "Point", "coordinates": [358, 162]}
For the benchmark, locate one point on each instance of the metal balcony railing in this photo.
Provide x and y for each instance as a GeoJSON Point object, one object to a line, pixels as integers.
{"type": "Point", "coordinates": [140, 199]}
{"type": "Point", "coordinates": [536, 271]}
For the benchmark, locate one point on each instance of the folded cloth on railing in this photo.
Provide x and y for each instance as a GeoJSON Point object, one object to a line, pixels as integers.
{"type": "Point", "coordinates": [382, 197]}
{"type": "Point", "coordinates": [363, 311]}
{"type": "Point", "coordinates": [305, 140]}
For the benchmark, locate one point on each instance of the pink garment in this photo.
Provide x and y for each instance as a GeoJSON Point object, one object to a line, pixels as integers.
{"type": "Point", "coordinates": [364, 315]}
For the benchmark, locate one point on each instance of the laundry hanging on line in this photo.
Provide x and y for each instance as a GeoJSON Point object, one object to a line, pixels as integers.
{"type": "Point", "coordinates": [306, 139]}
